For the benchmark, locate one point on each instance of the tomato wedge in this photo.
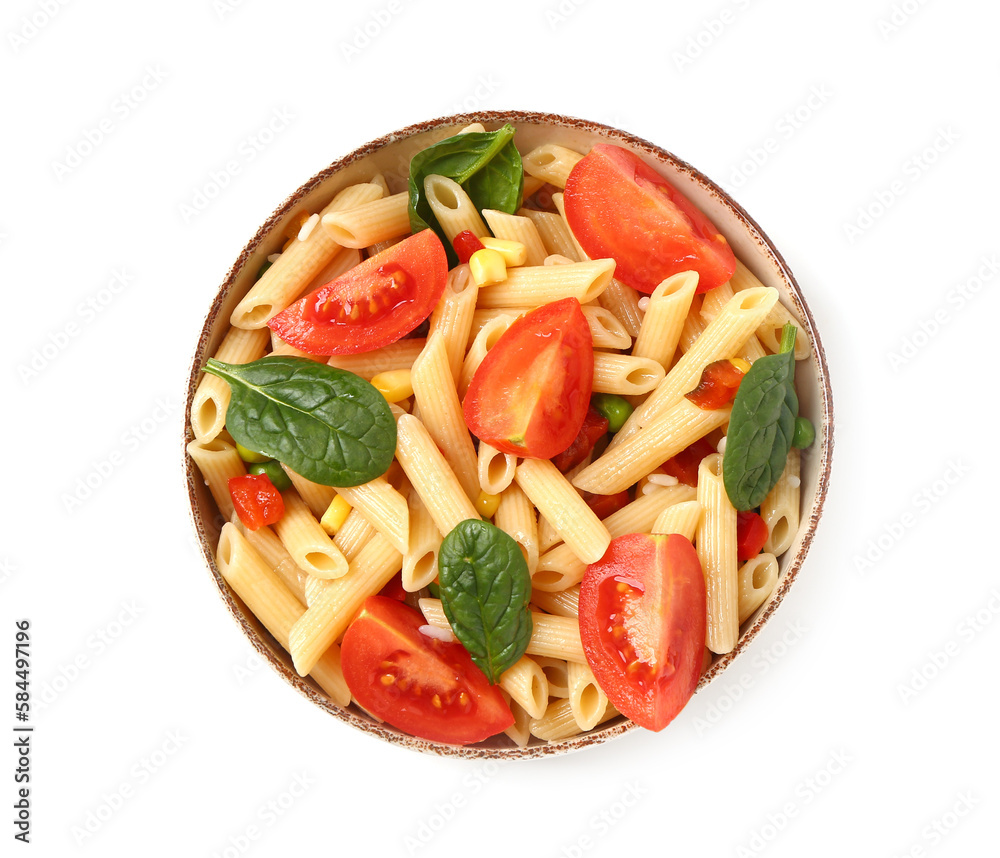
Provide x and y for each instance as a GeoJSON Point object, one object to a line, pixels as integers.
{"type": "Point", "coordinates": [423, 686]}
{"type": "Point", "coordinates": [531, 393]}
{"type": "Point", "coordinates": [642, 621]}
{"type": "Point", "coordinates": [620, 207]}
{"type": "Point", "coordinates": [595, 427]}
{"type": "Point", "coordinates": [374, 304]}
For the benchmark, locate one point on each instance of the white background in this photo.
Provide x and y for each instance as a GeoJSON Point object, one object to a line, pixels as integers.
{"type": "Point", "coordinates": [862, 720]}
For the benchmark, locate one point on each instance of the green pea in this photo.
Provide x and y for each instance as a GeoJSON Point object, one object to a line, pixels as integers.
{"type": "Point", "coordinates": [248, 455]}
{"type": "Point", "coordinates": [804, 433]}
{"type": "Point", "coordinates": [275, 473]}
{"type": "Point", "coordinates": [263, 268]}
{"type": "Point", "coordinates": [615, 408]}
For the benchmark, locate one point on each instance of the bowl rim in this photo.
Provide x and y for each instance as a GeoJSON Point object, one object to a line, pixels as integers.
{"type": "Point", "coordinates": [260, 638]}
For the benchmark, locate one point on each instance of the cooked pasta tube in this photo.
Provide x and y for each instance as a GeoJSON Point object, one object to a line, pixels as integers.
{"type": "Point", "coordinates": [266, 543]}
{"type": "Point", "coordinates": [715, 542]}
{"type": "Point", "coordinates": [551, 636]}
{"type": "Point", "coordinates": [518, 228]}
{"type": "Point", "coordinates": [624, 374]}
{"type": "Point", "coordinates": [606, 330]}
{"type": "Point", "coordinates": [354, 533]}
{"type": "Point", "coordinates": [665, 436]}
{"type": "Point", "coordinates": [441, 412]}
{"type": "Point", "coordinates": [317, 497]}
{"type": "Point", "coordinates": [663, 320]}
{"type": "Point", "coordinates": [780, 509]}
{"type": "Point", "coordinates": [520, 731]}
{"type": "Point", "coordinates": [560, 567]}
{"type": "Point", "coordinates": [431, 476]}
{"type": "Point", "coordinates": [769, 332]}
{"type": "Point", "coordinates": [623, 303]}
{"type": "Point", "coordinates": [274, 605]}
{"type": "Point", "coordinates": [309, 545]}
{"type": "Point", "coordinates": [562, 603]}
{"type": "Point", "coordinates": [712, 304]}
{"type": "Point", "coordinates": [367, 224]}
{"type": "Point", "coordinates": [326, 619]}
{"type": "Point", "coordinates": [559, 723]}
{"type": "Point", "coordinates": [555, 233]}
{"type": "Point", "coordinates": [556, 672]}
{"type": "Point", "coordinates": [682, 518]}
{"type": "Point", "coordinates": [452, 317]}
{"type": "Point", "coordinates": [532, 286]}
{"type": "Point", "coordinates": [484, 341]}
{"type": "Point", "coordinates": [282, 283]}
{"type": "Point", "coordinates": [398, 355]}
{"type": "Point", "coordinates": [420, 560]}
{"type": "Point", "coordinates": [496, 469]}
{"type": "Point", "coordinates": [526, 684]}
{"type": "Point", "coordinates": [451, 205]}
{"type": "Point", "coordinates": [218, 462]}
{"type": "Point", "coordinates": [722, 338]}
{"type": "Point", "coordinates": [587, 701]}
{"type": "Point", "coordinates": [515, 516]}
{"type": "Point", "coordinates": [756, 580]}
{"type": "Point", "coordinates": [551, 162]}
{"type": "Point", "coordinates": [211, 399]}
{"type": "Point", "coordinates": [564, 508]}
{"type": "Point", "coordinates": [383, 506]}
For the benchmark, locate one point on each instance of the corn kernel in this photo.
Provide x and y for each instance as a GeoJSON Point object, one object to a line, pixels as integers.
{"type": "Point", "coordinates": [487, 267]}
{"type": "Point", "coordinates": [513, 252]}
{"type": "Point", "coordinates": [394, 384]}
{"type": "Point", "coordinates": [486, 504]}
{"type": "Point", "coordinates": [742, 364]}
{"type": "Point", "coordinates": [335, 516]}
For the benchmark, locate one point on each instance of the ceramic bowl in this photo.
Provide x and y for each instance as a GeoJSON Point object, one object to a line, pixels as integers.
{"type": "Point", "coordinates": [391, 155]}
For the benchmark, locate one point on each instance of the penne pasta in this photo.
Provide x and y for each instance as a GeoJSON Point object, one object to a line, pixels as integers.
{"type": "Point", "coordinates": [780, 509]}
{"type": "Point", "coordinates": [367, 224]}
{"type": "Point", "coordinates": [756, 580]}
{"type": "Point", "coordinates": [211, 399]}
{"type": "Point", "coordinates": [715, 541]}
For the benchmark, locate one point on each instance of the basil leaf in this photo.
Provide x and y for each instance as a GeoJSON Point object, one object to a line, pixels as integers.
{"type": "Point", "coordinates": [485, 591]}
{"type": "Point", "coordinates": [326, 424]}
{"type": "Point", "coordinates": [485, 163]}
{"type": "Point", "coordinates": [761, 426]}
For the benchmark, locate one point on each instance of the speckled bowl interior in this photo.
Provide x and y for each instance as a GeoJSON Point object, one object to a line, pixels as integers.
{"type": "Point", "coordinates": [391, 155]}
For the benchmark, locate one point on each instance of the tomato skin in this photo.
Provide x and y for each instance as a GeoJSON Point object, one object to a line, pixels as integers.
{"type": "Point", "coordinates": [385, 641]}
{"type": "Point", "coordinates": [465, 244]}
{"type": "Point", "coordinates": [719, 382]}
{"type": "Point", "coordinates": [620, 207]}
{"type": "Point", "coordinates": [685, 464]}
{"type": "Point", "coordinates": [595, 427]}
{"type": "Point", "coordinates": [751, 534]}
{"type": "Point", "coordinates": [389, 295]}
{"type": "Point", "coordinates": [531, 393]}
{"type": "Point", "coordinates": [256, 500]}
{"type": "Point", "coordinates": [605, 505]}
{"type": "Point", "coordinates": [642, 622]}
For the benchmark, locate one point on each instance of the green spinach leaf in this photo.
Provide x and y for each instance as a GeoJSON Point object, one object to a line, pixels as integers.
{"type": "Point", "coordinates": [486, 164]}
{"type": "Point", "coordinates": [326, 424]}
{"type": "Point", "coordinates": [485, 591]}
{"type": "Point", "coordinates": [761, 426]}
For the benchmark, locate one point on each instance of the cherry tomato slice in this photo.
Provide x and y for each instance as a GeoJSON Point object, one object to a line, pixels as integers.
{"type": "Point", "coordinates": [595, 427]}
{"type": "Point", "coordinates": [256, 499]}
{"type": "Point", "coordinates": [642, 622]}
{"type": "Point", "coordinates": [751, 534]}
{"type": "Point", "coordinates": [423, 686]}
{"type": "Point", "coordinates": [620, 207]}
{"type": "Point", "coordinates": [718, 385]}
{"type": "Point", "coordinates": [374, 304]}
{"type": "Point", "coordinates": [531, 393]}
